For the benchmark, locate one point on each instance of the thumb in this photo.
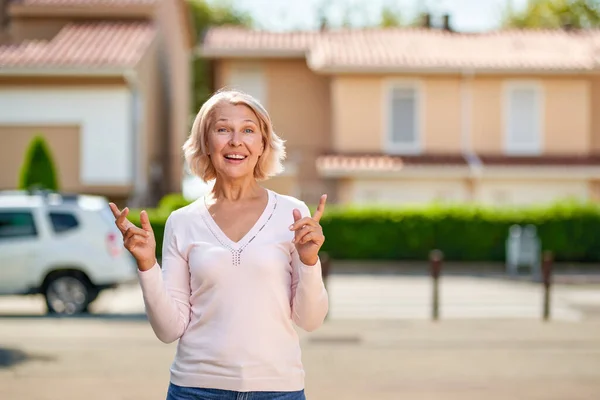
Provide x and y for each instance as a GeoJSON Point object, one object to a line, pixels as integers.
{"type": "Point", "coordinates": [297, 215]}
{"type": "Point", "coordinates": [145, 222]}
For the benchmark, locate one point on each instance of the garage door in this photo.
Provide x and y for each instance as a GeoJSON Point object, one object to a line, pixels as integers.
{"type": "Point", "coordinates": [63, 142]}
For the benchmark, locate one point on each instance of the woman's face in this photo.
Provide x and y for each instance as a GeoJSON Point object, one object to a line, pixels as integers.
{"type": "Point", "coordinates": [234, 141]}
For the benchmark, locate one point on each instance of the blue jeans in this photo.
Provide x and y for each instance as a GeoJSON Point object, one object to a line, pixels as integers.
{"type": "Point", "coordinates": [188, 393]}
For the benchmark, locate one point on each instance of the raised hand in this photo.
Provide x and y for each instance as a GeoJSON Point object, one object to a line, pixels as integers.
{"type": "Point", "coordinates": [308, 237]}
{"type": "Point", "coordinates": [140, 242]}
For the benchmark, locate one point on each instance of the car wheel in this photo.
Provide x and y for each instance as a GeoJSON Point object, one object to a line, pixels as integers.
{"type": "Point", "coordinates": [67, 294]}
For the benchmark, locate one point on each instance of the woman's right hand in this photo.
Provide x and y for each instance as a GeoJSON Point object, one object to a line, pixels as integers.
{"type": "Point", "coordinates": [140, 242]}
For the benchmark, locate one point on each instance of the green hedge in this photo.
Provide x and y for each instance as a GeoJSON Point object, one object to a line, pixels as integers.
{"type": "Point", "coordinates": [463, 233]}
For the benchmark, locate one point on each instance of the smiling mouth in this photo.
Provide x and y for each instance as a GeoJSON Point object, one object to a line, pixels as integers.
{"type": "Point", "coordinates": [235, 157]}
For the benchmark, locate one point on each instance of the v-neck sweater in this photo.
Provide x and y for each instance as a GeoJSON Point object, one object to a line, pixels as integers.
{"type": "Point", "coordinates": [233, 305]}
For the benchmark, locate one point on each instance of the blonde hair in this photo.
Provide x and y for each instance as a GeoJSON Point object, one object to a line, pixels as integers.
{"type": "Point", "coordinates": [196, 146]}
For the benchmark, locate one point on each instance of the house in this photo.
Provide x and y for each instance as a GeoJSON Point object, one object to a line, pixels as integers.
{"type": "Point", "coordinates": [107, 83]}
{"type": "Point", "coordinates": [410, 116]}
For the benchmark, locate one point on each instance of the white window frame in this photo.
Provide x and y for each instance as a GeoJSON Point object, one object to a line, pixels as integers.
{"type": "Point", "coordinates": [535, 148]}
{"type": "Point", "coordinates": [241, 67]}
{"type": "Point", "coordinates": [403, 148]}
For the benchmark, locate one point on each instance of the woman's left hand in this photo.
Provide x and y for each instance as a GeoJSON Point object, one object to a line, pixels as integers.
{"type": "Point", "coordinates": [308, 236]}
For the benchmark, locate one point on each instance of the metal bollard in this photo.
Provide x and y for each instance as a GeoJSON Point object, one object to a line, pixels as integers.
{"type": "Point", "coordinates": [435, 258]}
{"type": "Point", "coordinates": [548, 258]}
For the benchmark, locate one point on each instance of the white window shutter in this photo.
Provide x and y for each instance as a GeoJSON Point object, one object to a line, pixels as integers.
{"type": "Point", "coordinates": [249, 79]}
{"type": "Point", "coordinates": [403, 116]}
{"type": "Point", "coordinates": [523, 134]}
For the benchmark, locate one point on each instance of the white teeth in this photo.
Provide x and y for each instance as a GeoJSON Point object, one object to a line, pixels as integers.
{"type": "Point", "coordinates": [235, 156]}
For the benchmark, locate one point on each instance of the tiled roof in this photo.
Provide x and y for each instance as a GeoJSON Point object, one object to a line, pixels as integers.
{"type": "Point", "coordinates": [381, 162]}
{"type": "Point", "coordinates": [401, 48]}
{"type": "Point", "coordinates": [240, 39]}
{"type": "Point", "coordinates": [78, 3]}
{"type": "Point", "coordinates": [83, 45]}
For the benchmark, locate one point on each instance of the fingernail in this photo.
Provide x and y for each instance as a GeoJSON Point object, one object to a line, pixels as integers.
{"type": "Point", "coordinates": [291, 227]}
{"type": "Point", "coordinates": [294, 240]}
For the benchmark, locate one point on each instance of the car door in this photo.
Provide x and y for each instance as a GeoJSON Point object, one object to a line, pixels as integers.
{"type": "Point", "coordinates": [19, 248]}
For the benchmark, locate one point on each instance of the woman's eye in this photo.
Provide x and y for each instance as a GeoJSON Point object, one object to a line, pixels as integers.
{"type": "Point", "coordinates": [222, 130]}
{"type": "Point", "coordinates": [248, 130]}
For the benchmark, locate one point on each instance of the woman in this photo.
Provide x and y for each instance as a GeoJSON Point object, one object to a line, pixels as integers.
{"type": "Point", "coordinates": [239, 266]}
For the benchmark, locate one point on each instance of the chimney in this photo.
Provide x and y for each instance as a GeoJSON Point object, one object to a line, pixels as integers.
{"type": "Point", "coordinates": [446, 23]}
{"type": "Point", "coordinates": [323, 24]}
{"type": "Point", "coordinates": [426, 20]}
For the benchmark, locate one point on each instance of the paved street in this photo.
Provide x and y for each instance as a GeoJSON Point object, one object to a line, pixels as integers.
{"type": "Point", "coordinates": [120, 359]}
{"type": "Point", "coordinates": [396, 297]}
{"type": "Point", "coordinates": [378, 343]}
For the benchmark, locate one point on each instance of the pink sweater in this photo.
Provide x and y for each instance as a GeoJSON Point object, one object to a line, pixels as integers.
{"type": "Point", "coordinates": [232, 305]}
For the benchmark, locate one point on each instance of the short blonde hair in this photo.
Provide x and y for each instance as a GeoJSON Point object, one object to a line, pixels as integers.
{"type": "Point", "coordinates": [196, 146]}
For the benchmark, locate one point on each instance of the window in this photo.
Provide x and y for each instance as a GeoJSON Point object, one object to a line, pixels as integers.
{"type": "Point", "coordinates": [404, 125]}
{"type": "Point", "coordinates": [523, 119]}
{"type": "Point", "coordinates": [17, 224]}
{"type": "Point", "coordinates": [63, 222]}
{"type": "Point", "coordinates": [249, 78]}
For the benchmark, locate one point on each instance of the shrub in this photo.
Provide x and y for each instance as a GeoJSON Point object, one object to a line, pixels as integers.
{"type": "Point", "coordinates": [463, 233]}
{"type": "Point", "coordinates": [38, 170]}
{"type": "Point", "coordinates": [172, 202]}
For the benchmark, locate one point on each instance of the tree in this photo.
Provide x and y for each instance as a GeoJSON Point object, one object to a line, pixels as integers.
{"type": "Point", "coordinates": [205, 15]}
{"type": "Point", "coordinates": [390, 18]}
{"type": "Point", "coordinates": [355, 15]}
{"type": "Point", "coordinates": [555, 14]}
{"type": "Point", "coordinates": [38, 170]}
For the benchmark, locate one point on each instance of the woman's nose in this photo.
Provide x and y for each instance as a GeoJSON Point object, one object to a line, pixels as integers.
{"type": "Point", "coordinates": [235, 139]}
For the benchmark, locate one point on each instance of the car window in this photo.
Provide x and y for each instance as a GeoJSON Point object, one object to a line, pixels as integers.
{"type": "Point", "coordinates": [17, 224]}
{"type": "Point", "coordinates": [63, 221]}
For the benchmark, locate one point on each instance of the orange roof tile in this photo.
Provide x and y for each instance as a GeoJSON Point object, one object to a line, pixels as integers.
{"type": "Point", "coordinates": [83, 45]}
{"type": "Point", "coordinates": [419, 49]}
{"type": "Point", "coordinates": [385, 163]}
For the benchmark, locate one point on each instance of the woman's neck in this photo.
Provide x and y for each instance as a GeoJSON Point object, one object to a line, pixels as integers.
{"type": "Point", "coordinates": [232, 191]}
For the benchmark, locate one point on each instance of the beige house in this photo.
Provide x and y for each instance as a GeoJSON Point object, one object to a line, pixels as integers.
{"type": "Point", "coordinates": [409, 116]}
{"type": "Point", "coordinates": [107, 82]}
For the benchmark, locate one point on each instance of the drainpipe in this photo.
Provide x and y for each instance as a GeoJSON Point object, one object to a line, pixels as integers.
{"type": "Point", "coordinates": [473, 161]}
{"type": "Point", "coordinates": [137, 146]}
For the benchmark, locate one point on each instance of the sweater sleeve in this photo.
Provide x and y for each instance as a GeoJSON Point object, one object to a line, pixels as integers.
{"type": "Point", "coordinates": [167, 291]}
{"type": "Point", "coordinates": [310, 302]}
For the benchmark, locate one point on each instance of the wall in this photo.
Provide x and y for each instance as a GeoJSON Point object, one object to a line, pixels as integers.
{"type": "Point", "coordinates": [103, 115]}
{"type": "Point", "coordinates": [403, 191]}
{"type": "Point", "coordinates": [175, 68]}
{"type": "Point", "coordinates": [360, 123]}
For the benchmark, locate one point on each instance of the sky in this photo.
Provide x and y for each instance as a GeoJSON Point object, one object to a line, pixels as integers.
{"type": "Point", "coordinates": [466, 15]}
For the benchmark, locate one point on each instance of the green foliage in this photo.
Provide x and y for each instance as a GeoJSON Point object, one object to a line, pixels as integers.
{"type": "Point", "coordinates": [172, 202]}
{"type": "Point", "coordinates": [38, 170]}
{"type": "Point", "coordinates": [205, 15]}
{"type": "Point", "coordinates": [554, 14]}
{"type": "Point", "coordinates": [390, 18]}
{"type": "Point", "coordinates": [462, 232]}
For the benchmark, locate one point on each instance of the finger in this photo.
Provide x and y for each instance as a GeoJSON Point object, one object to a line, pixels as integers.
{"type": "Point", "coordinates": [145, 221]}
{"type": "Point", "coordinates": [320, 208]}
{"type": "Point", "coordinates": [311, 237]}
{"type": "Point", "coordinates": [301, 232]}
{"type": "Point", "coordinates": [297, 214]}
{"type": "Point", "coordinates": [302, 222]}
{"type": "Point", "coordinates": [122, 219]}
{"type": "Point", "coordinates": [115, 210]}
{"type": "Point", "coordinates": [134, 230]}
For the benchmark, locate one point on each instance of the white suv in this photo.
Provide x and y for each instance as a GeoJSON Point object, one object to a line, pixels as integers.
{"type": "Point", "coordinates": [65, 247]}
